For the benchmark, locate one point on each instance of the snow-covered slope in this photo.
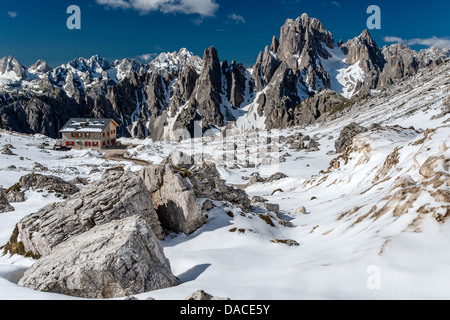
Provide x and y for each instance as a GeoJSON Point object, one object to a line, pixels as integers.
{"type": "Point", "coordinates": [344, 77]}
{"type": "Point", "coordinates": [377, 225]}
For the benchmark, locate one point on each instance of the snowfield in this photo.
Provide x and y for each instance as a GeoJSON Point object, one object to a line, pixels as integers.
{"type": "Point", "coordinates": [377, 215]}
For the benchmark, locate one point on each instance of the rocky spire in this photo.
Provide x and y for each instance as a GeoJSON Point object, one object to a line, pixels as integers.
{"type": "Point", "coordinates": [206, 98]}
{"type": "Point", "coordinates": [9, 65]}
{"type": "Point", "coordinates": [275, 44]}
{"type": "Point", "coordinates": [40, 67]}
{"type": "Point", "coordinates": [304, 35]}
{"type": "Point", "coordinates": [264, 68]}
{"type": "Point", "coordinates": [364, 49]}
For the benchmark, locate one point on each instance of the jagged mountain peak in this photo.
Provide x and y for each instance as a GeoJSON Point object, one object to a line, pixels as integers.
{"type": "Point", "coordinates": [365, 38]}
{"type": "Point", "coordinates": [12, 69]}
{"type": "Point", "coordinates": [176, 61]}
{"type": "Point", "coordinates": [310, 22]}
{"type": "Point", "coordinates": [364, 49]}
{"type": "Point", "coordinates": [40, 67]}
{"type": "Point", "coordinates": [303, 36]}
{"type": "Point", "coordinates": [95, 62]}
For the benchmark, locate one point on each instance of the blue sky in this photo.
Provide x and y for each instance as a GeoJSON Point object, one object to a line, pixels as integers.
{"type": "Point", "coordinates": [116, 29]}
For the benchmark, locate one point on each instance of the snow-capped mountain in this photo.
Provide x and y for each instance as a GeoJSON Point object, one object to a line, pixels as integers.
{"type": "Point", "coordinates": [176, 61]}
{"type": "Point", "coordinates": [306, 59]}
{"type": "Point", "coordinates": [179, 91]}
{"type": "Point", "coordinates": [11, 71]}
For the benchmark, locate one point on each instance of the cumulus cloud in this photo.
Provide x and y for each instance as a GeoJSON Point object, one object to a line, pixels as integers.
{"type": "Point", "coordinates": [12, 14]}
{"type": "Point", "coordinates": [236, 18]}
{"type": "Point", "coordinates": [205, 8]}
{"type": "Point", "coordinates": [433, 42]}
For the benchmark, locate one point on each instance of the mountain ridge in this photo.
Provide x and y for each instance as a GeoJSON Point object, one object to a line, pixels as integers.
{"type": "Point", "coordinates": [182, 92]}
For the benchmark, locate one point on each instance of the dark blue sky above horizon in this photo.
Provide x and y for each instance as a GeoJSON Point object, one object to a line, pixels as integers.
{"type": "Point", "coordinates": [114, 29]}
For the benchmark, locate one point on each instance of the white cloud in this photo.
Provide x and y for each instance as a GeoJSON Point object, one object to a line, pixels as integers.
{"type": "Point", "coordinates": [205, 8]}
{"type": "Point", "coordinates": [433, 42]}
{"type": "Point", "coordinates": [337, 4]}
{"type": "Point", "coordinates": [392, 39]}
{"type": "Point", "coordinates": [236, 18]}
{"type": "Point", "coordinates": [147, 57]}
{"type": "Point", "coordinates": [12, 14]}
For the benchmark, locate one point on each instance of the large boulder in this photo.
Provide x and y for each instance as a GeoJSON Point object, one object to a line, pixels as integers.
{"type": "Point", "coordinates": [117, 195]}
{"type": "Point", "coordinates": [179, 183]}
{"type": "Point", "coordinates": [174, 199]}
{"type": "Point", "coordinates": [116, 259]}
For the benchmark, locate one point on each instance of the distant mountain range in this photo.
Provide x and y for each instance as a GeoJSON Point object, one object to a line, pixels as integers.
{"type": "Point", "coordinates": [295, 80]}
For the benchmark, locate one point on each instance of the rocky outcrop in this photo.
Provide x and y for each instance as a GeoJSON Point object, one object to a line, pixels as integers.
{"type": "Point", "coordinates": [116, 196]}
{"type": "Point", "coordinates": [207, 183]}
{"type": "Point", "coordinates": [265, 67]}
{"type": "Point", "coordinates": [7, 151]}
{"type": "Point", "coordinates": [301, 210]}
{"type": "Point", "coordinates": [311, 109]}
{"type": "Point", "coordinates": [403, 62]}
{"type": "Point", "coordinates": [346, 137]}
{"type": "Point", "coordinates": [44, 113]}
{"type": "Point", "coordinates": [116, 259]}
{"type": "Point", "coordinates": [4, 203]}
{"type": "Point", "coordinates": [40, 67]}
{"type": "Point", "coordinates": [15, 193]}
{"type": "Point", "coordinates": [50, 183]}
{"type": "Point", "coordinates": [303, 42]}
{"type": "Point", "coordinates": [236, 84]}
{"type": "Point", "coordinates": [364, 51]}
{"type": "Point", "coordinates": [293, 72]}
{"type": "Point", "coordinates": [300, 42]}
{"type": "Point", "coordinates": [183, 88]}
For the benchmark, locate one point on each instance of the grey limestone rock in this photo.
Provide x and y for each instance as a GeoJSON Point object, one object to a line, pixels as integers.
{"type": "Point", "coordinates": [47, 182]}
{"type": "Point", "coordinates": [346, 137]}
{"type": "Point", "coordinates": [116, 196]}
{"type": "Point", "coordinates": [116, 259]}
{"type": "Point", "coordinates": [311, 109]}
{"type": "Point", "coordinates": [173, 197]}
{"type": "Point", "coordinates": [207, 183]}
